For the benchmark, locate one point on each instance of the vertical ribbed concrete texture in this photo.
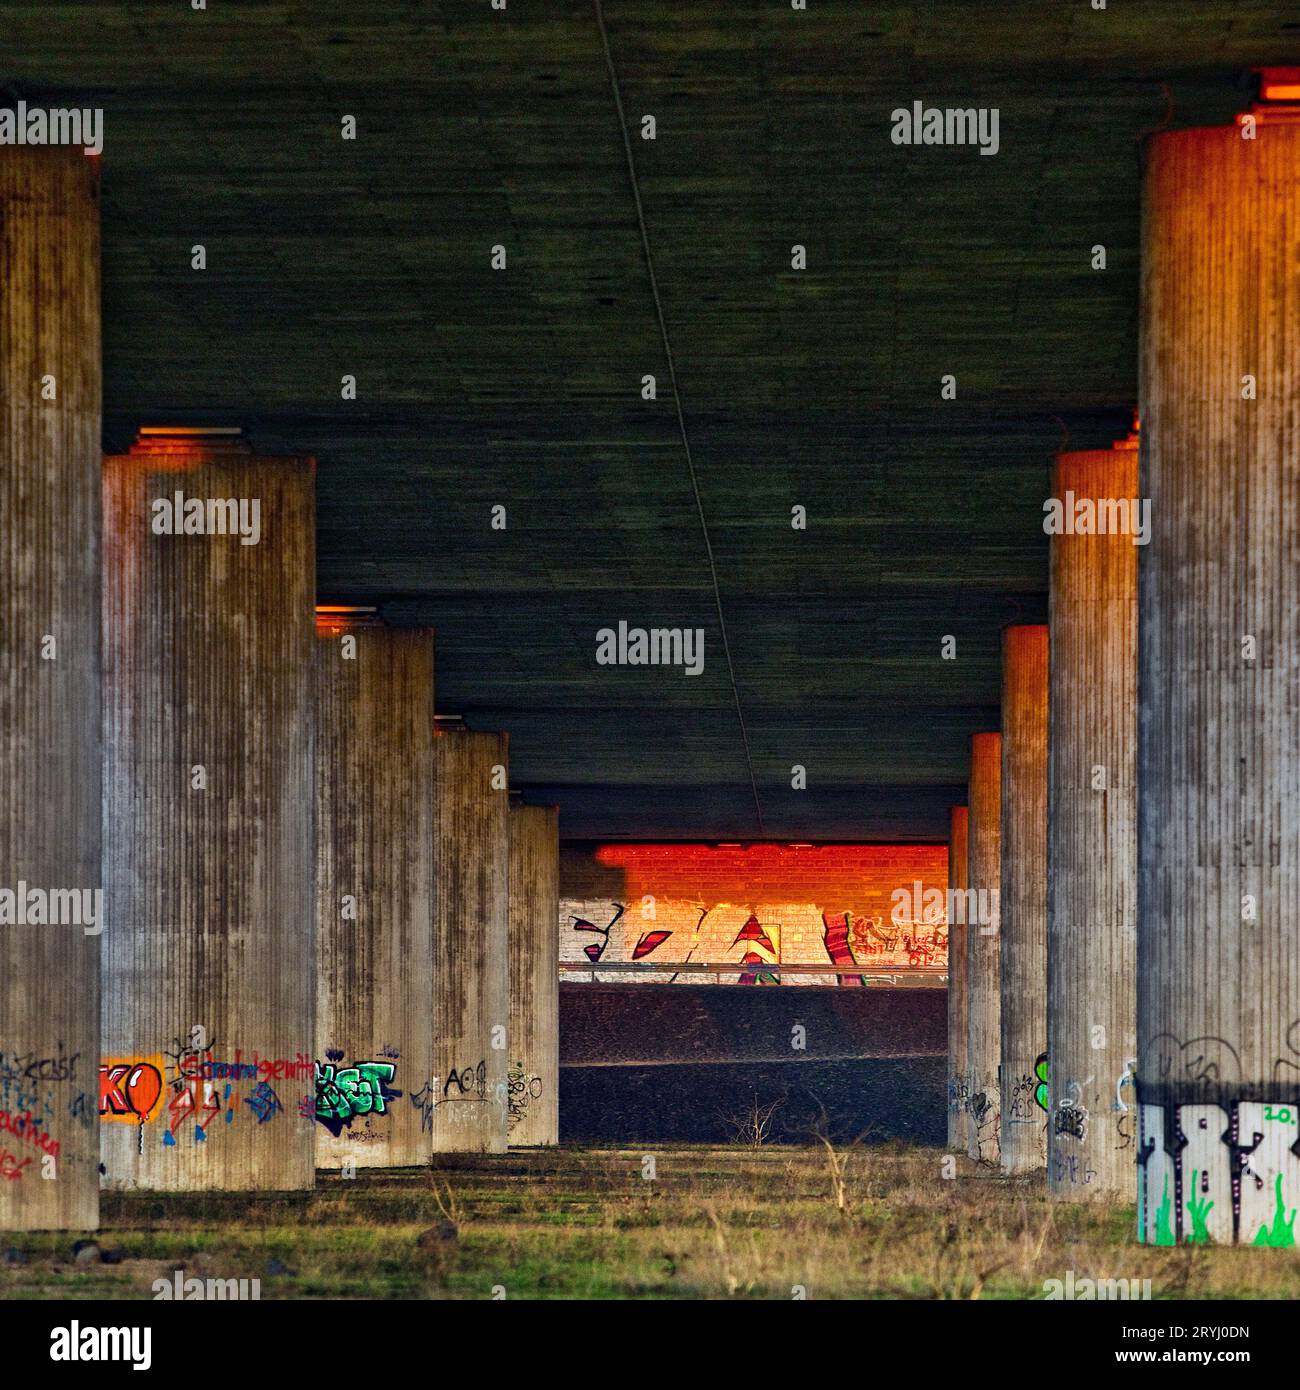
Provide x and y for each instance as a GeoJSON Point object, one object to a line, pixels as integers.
{"type": "Point", "coordinates": [958, 1069]}
{"type": "Point", "coordinates": [1218, 1075]}
{"type": "Point", "coordinates": [1024, 898]}
{"type": "Point", "coordinates": [471, 970]}
{"type": "Point", "coordinates": [1092, 838]}
{"type": "Point", "coordinates": [983, 956]}
{"type": "Point", "coordinates": [374, 888]}
{"type": "Point", "coordinates": [209, 987]}
{"type": "Point", "coordinates": [49, 688]}
{"type": "Point", "coordinates": [534, 953]}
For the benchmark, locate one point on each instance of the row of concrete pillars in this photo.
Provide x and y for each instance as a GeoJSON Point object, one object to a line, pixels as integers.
{"type": "Point", "coordinates": [257, 915]}
{"type": "Point", "coordinates": [1125, 1000]}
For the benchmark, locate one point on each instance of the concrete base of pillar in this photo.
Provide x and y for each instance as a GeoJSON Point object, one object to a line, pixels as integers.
{"type": "Point", "coordinates": [1190, 1189]}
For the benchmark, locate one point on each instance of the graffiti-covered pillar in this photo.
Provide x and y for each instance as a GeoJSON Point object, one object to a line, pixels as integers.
{"type": "Point", "coordinates": [534, 954]}
{"type": "Point", "coordinates": [209, 989]}
{"type": "Point", "coordinates": [467, 1095]}
{"type": "Point", "coordinates": [1092, 830]}
{"type": "Point", "coordinates": [1218, 1076]}
{"type": "Point", "coordinates": [374, 890]}
{"type": "Point", "coordinates": [1024, 898]}
{"type": "Point", "coordinates": [50, 877]}
{"type": "Point", "coordinates": [958, 1069]}
{"type": "Point", "coordinates": [983, 963]}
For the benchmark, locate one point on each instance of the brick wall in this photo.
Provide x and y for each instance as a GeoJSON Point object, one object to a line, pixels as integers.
{"type": "Point", "coordinates": [755, 906]}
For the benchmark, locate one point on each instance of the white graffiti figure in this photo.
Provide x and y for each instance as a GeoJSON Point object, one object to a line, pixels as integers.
{"type": "Point", "coordinates": [1126, 1079]}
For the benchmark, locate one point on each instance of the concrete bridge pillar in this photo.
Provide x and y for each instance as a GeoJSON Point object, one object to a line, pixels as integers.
{"type": "Point", "coordinates": [50, 673]}
{"type": "Point", "coordinates": [958, 1022]}
{"type": "Point", "coordinates": [1092, 834]}
{"type": "Point", "coordinates": [471, 972]}
{"type": "Point", "coordinates": [983, 956]}
{"type": "Point", "coordinates": [534, 953]}
{"type": "Point", "coordinates": [1218, 1076]}
{"type": "Point", "coordinates": [1024, 898]}
{"type": "Point", "coordinates": [209, 982]}
{"type": "Point", "coordinates": [374, 887]}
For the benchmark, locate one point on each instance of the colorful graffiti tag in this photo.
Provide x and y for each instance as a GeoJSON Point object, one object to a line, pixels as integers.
{"type": "Point", "coordinates": [753, 908]}
{"type": "Point", "coordinates": [190, 1088]}
{"type": "Point", "coordinates": [347, 1094]}
{"type": "Point", "coordinates": [130, 1088]}
{"type": "Point", "coordinates": [755, 943]}
{"type": "Point", "coordinates": [835, 936]}
{"type": "Point", "coordinates": [1040, 1073]}
{"type": "Point", "coordinates": [1210, 1173]}
{"type": "Point", "coordinates": [593, 950]}
{"type": "Point", "coordinates": [846, 941]}
{"type": "Point", "coordinates": [264, 1103]}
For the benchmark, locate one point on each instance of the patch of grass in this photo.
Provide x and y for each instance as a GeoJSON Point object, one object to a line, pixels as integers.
{"type": "Point", "coordinates": [743, 1222]}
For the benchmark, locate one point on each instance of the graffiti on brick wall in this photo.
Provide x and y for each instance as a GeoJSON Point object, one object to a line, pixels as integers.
{"type": "Point", "coordinates": [646, 944]}
{"type": "Point", "coordinates": [899, 942]}
{"type": "Point", "coordinates": [759, 952]}
{"type": "Point", "coordinates": [753, 939]}
{"type": "Point", "coordinates": [750, 912]}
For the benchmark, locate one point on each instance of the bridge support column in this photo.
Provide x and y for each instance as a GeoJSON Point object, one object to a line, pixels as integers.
{"type": "Point", "coordinates": [471, 973]}
{"type": "Point", "coordinates": [534, 953]}
{"type": "Point", "coordinates": [1092, 836]}
{"type": "Point", "coordinates": [374, 886]}
{"type": "Point", "coordinates": [50, 675]}
{"type": "Point", "coordinates": [958, 1022]}
{"type": "Point", "coordinates": [983, 962]}
{"type": "Point", "coordinates": [209, 981]}
{"type": "Point", "coordinates": [1024, 899]}
{"type": "Point", "coordinates": [1218, 1077]}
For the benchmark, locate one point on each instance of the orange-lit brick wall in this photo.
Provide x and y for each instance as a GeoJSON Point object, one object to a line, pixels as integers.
{"type": "Point", "coordinates": [756, 906]}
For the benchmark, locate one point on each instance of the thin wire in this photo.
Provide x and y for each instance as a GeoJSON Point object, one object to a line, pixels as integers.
{"type": "Point", "coordinates": [677, 401]}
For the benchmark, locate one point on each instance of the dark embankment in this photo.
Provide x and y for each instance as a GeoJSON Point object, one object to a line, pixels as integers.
{"type": "Point", "coordinates": [645, 1063]}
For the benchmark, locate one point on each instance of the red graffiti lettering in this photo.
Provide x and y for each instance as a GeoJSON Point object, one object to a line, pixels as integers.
{"type": "Point", "coordinates": [25, 1127]}
{"type": "Point", "coordinates": [11, 1166]}
{"type": "Point", "coordinates": [127, 1088]}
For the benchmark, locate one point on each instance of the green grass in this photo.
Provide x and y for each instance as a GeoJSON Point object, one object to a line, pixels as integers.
{"type": "Point", "coordinates": [583, 1223]}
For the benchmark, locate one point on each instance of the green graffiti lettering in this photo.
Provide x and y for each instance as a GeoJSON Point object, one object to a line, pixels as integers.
{"type": "Point", "coordinates": [1281, 1235]}
{"type": "Point", "coordinates": [1164, 1227]}
{"type": "Point", "coordinates": [1198, 1209]}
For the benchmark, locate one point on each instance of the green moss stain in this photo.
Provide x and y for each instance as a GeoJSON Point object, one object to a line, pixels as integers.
{"type": "Point", "coordinates": [1281, 1235]}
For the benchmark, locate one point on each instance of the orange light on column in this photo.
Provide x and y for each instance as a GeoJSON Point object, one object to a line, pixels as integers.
{"type": "Point", "coordinates": [1218, 735]}
{"type": "Point", "coordinates": [1278, 98]}
{"type": "Point", "coordinates": [333, 619]}
{"type": "Point", "coordinates": [1279, 84]}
